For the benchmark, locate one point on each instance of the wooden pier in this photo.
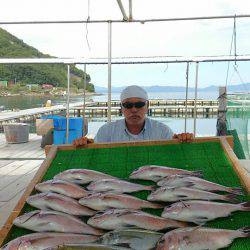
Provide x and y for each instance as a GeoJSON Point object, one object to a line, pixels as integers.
{"type": "Point", "coordinates": [166, 108]}
{"type": "Point", "coordinates": [160, 108]}
{"type": "Point", "coordinates": [18, 165]}
{"type": "Point", "coordinates": [165, 111]}
{"type": "Point", "coordinates": [33, 113]}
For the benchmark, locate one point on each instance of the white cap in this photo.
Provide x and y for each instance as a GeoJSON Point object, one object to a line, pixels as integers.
{"type": "Point", "coordinates": [133, 91]}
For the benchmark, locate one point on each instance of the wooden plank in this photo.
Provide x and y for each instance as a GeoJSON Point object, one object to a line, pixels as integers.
{"type": "Point", "coordinates": [39, 174]}
{"type": "Point", "coordinates": [5, 116]}
{"type": "Point", "coordinates": [16, 171]}
{"type": "Point", "coordinates": [241, 172]}
{"type": "Point", "coordinates": [137, 143]}
{"type": "Point", "coordinates": [5, 162]}
{"type": "Point", "coordinates": [30, 149]}
{"type": "Point", "coordinates": [245, 164]}
{"type": "Point", "coordinates": [11, 194]}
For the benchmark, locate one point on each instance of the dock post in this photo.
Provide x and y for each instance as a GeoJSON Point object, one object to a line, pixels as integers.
{"type": "Point", "coordinates": [221, 125]}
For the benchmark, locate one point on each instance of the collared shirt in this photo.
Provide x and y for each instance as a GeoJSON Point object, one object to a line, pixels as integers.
{"type": "Point", "coordinates": [117, 131]}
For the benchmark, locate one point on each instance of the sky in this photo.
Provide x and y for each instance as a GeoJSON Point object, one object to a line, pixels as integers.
{"type": "Point", "coordinates": [182, 38]}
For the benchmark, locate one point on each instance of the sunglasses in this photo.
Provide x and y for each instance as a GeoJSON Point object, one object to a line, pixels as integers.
{"type": "Point", "coordinates": [130, 105]}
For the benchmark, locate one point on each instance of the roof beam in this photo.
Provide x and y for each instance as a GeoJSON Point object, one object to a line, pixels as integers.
{"type": "Point", "coordinates": [125, 17]}
{"type": "Point", "coordinates": [121, 21]}
{"type": "Point", "coordinates": [124, 60]}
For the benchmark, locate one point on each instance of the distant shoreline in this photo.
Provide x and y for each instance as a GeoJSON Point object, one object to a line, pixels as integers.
{"type": "Point", "coordinates": [47, 94]}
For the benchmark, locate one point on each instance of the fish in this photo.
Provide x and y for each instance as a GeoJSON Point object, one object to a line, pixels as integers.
{"type": "Point", "coordinates": [112, 219]}
{"type": "Point", "coordinates": [59, 202]}
{"type": "Point", "coordinates": [156, 173]}
{"type": "Point", "coordinates": [92, 246]}
{"type": "Point", "coordinates": [195, 182]}
{"type": "Point", "coordinates": [200, 238]}
{"type": "Point", "coordinates": [62, 187]}
{"type": "Point", "coordinates": [103, 201]}
{"type": "Point", "coordinates": [183, 193]}
{"type": "Point", "coordinates": [53, 221]}
{"type": "Point", "coordinates": [41, 241]}
{"type": "Point", "coordinates": [116, 186]}
{"type": "Point", "coordinates": [136, 239]}
{"type": "Point", "coordinates": [200, 212]}
{"type": "Point", "coordinates": [82, 176]}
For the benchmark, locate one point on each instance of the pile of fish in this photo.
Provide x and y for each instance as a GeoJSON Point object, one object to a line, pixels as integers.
{"type": "Point", "coordinates": [87, 209]}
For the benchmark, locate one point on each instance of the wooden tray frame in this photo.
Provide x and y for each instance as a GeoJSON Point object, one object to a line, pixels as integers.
{"type": "Point", "coordinates": [51, 151]}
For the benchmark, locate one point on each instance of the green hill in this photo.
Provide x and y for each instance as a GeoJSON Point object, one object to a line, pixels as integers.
{"type": "Point", "coordinates": [56, 74]}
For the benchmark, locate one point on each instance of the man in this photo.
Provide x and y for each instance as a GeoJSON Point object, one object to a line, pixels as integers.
{"type": "Point", "coordinates": [135, 126]}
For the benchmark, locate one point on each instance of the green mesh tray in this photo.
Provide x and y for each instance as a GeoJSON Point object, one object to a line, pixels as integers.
{"type": "Point", "coordinates": [121, 161]}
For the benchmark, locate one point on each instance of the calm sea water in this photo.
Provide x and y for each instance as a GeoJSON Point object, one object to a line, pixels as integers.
{"type": "Point", "coordinates": [205, 126]}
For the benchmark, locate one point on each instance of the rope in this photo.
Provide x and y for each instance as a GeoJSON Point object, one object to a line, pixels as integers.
{"type": "Point", "coordinates": [86, 26]}
{"type": "Point", "coordinates": [230, 53]}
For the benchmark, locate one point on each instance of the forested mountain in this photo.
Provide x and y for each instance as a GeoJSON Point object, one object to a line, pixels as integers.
{"type": "Point", "coordinates": [56, 74]}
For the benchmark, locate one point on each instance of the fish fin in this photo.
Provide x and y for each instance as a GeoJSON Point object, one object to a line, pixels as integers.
{"type": "Point", "coordinates": [195, 228]}
{"type": "Point", "coordinates": [245, 206]}
{"type": "Point", "coordinates": [236, 191]}
{"type": "Point", "coordinates": [188, 184]}
{"type": "Point", "coordinates": [231, 197]}
{"type": "Point", "coordinates": [182, 196]}
{"type": "Point", "coordinates": [197, 173]}
{"type": "Point", "coordinates": [127, 245]}
{"type": "Point", "coordinates": [200, 220]}
{"type": "Point", "coordinates": [129, 226]}
{"type": "Point", "coordinates": [184, 204]}
{"type": "Point", "coordinates": [125, 212]}
{"type": "Point", "coordinates": [245, 231]}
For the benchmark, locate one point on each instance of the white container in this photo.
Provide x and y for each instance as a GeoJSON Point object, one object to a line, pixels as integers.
{"type": "Point", "coordinates": [16, 132]}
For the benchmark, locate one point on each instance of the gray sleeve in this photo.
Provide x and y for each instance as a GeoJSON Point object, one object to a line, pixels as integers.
{"type": "Point", "coordinates": [103, 134]}
{"type": "Point", "coordinates": [167, 132]}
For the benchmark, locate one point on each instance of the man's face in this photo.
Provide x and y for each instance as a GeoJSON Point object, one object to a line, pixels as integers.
{"type": "Point", "coordinates": [134, 115]}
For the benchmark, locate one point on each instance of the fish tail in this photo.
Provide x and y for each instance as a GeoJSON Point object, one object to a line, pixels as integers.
{"type": "Point", "coordinates": [197, 173]}
{"type": "Point", "coordinates": [180, 224]}
{"type": "Point", "coordinates": [245, 232]}
{"type": "Point", "coordinates": [245, 206]}
{"type": "Point", "coordinates": [155, 205]}
{"type": "Point", "coordinates": [151, 188]}
{"type": "Point", "coordinates": [231, 197]}
{"type": "Point", "coordinates": [237, 191]}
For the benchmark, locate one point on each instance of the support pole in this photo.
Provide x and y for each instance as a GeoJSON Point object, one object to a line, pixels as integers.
{"type": "Point", "coordinates": [187, 77]}
{"type": "Point", "coordinates": [221, 125]}
{"type": "Point", "coordinates": [84, 91]}
{"type": "Point", "coordinates": [130, 18]}
{"type": "Point", "coordinates": [195, 97]}
{"type": "Point", "coordinates": [109, 68]}
{"type": "Point", "coordinates": [67, 111]}
{"type": "Point", "coordinates": [125, 18]}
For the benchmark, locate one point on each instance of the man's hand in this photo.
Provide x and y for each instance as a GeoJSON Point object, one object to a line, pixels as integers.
{"type": "Point", "coordinates": [184, 137]}
{"type": "Point", "coordinates": [82, 141]}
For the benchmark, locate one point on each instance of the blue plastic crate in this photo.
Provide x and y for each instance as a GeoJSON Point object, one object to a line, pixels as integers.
{"type": "Point", "coordinates": [59, 136]}
{"type": "Point", "coordinates": [60, 122]}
